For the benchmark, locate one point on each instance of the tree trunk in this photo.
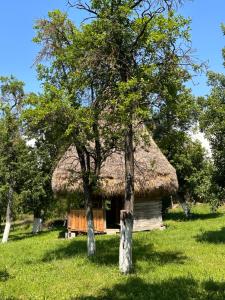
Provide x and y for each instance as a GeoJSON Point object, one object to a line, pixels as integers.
{"type": "Point", "coordinates": [8, 216]}
{"type": "Point", "coordinates": [125, 255]}
{"type": "Point", "coordinates": [126, 216]}
{"type": "Point", "coordinates": [0, 224]}
{"type": "Point", "coordinates": [91, 247]}
{"type": "Point", "coordinates": [186, 209]}
{"type": "Point", "coordinates": [185, 206]}
{"type": "Point", "coordinates": [37, 223]}
{"type": "Point", "coordinates": [84, 159]}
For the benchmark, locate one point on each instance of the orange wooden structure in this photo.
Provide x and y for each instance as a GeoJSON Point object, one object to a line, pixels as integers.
{"type": "Point", "coordinates": [76, 221]}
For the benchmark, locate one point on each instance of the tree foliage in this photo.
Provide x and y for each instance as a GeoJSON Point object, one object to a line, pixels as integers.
{"type": "Point", "coordinates": [213, 124]}
{"type": "Point", "coordinates": [107, 77]}
{"type": "Point", "coordinates": [23, 169]}
{"type": "Point", "coordinates": [13, 148]}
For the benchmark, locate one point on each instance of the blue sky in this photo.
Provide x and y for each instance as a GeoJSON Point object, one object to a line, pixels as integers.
{"type": "Point", "coordinates": [17, 51]}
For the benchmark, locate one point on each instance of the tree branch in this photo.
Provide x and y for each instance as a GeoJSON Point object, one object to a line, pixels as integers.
{"type": "Point", "coordinates": [82, 6]}
{"type": "Point", "coordinates": [151, 16]}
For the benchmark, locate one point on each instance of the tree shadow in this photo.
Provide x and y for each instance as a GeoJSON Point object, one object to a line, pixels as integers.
{"type": "Point", "coordinates": [9, 298]}
{"type": "Point", "coordinates": [108, 252]}
{"type": "Point", "coordinates": [25, 235]}
{"type": "Point", "coordinates": [215, 237]}
{"type": "Point", "coordinates": [4, 275]}
{"type": "Point", "coordinates": [22, 224]}
{"type": "Point", "coordinates": [215, 287]}
{"type": "Point", "coordinates": [16, 236]}
{"type": "Point", "coordinates": [180, 217]}
{"type": "Point", "coordinates": [181, 288]}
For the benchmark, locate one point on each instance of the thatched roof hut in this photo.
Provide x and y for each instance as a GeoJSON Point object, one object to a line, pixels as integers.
{"type": "Point", "coordinates": [155, 178]}
{"type": "Point", "coordinates": [154, 175]}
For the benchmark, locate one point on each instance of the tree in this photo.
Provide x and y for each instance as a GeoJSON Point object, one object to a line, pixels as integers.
{"type": "Point", "coordinates": [212, 123]}
{"type": "Point", "coordinates": [68, 112]}
{"type": "Point", "coordinates": [110, 73]}
{"type": "Point", "coordinates": [137, 43]}
{"type": "Point", "coordinates": [171, 127]}
{"type": "Point", "coordinates": [37, 193]}
{"type": "Point", "coordinates": [24, 175]}
{"type": "Point", "coordinates": [12, 147]}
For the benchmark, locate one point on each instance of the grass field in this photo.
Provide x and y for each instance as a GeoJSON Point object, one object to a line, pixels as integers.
{"type": "Point", "coordinates": [185, 261]}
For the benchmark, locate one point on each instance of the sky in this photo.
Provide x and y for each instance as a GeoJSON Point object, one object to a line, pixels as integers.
{"type": "Point", "coordinates": [18, 52]}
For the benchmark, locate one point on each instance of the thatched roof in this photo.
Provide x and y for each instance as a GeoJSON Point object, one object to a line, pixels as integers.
{"type": "Point", "coordinates": [154, 175]}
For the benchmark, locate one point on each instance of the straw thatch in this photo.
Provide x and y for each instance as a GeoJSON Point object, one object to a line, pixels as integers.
{"type": "Point", "coordinates": [154, 175]}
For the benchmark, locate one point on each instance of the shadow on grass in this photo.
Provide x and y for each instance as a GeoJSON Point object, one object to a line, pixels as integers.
{"type": "Point", "coordinates": [180, 217]}
{"type": "Point", "coordinates": [4, 275]}
{"type": "Point", "coordinates": [17, 225]}
{"type": "Point", "coordinates": [16, 236]}
{"type": "Point", "coordinates": [25, 235]}
{"type": "Point", "coordinates": [215, 237]}
{"type": "Point", "coordinates": [108, 252]}
{"type": "Point", "coordinates": [181, 288]}
{"type": "Point", "coordinates": [10, 298]}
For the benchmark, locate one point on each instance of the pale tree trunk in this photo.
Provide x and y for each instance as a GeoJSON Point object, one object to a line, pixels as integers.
{"type": "Point", "coordinates": [85, 167]}
{"type": "Point", "coordinates": [126, 215]}
{"type": "Point", "coordinates": [185, 206]}
{"type": "Point", "coordinates": [8, 217]}
{"type": "Point", "coordinates": [91, 247]}
{"type": "Point", "coordinates": [37, 225]}
{"type": "Point", "coordinates": [84, 159]}
{"type": "Point", "coordinates": [37, 222]}
{"type": "Point", "coordinates": [0, 223]}
{"type": "Point", "coordinates": [125, 254]}
{"type": "Point", "coordinates": [186, 209]}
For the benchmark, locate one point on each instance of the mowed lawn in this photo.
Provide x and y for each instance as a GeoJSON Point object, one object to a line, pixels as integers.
{"type": "Point", "coordinates": [185, 261]}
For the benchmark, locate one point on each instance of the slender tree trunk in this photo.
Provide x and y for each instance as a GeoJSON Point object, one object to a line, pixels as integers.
{"type": "Point", "coordinates": [0, 223]}
{"type": "Point", "coordinates": [186, 209]}
{"type": "Point", "coordinates": [8, 222]}
{"type": "Point", "coordinates": [91, 247]}
{"type": "Point", "coordinates": [37, 223]}
{"type": "Point", "coordinates": [185, 206]}
{"type": "Point", "coordinates": [85, 167]}
{"type": "Point", "coordinates": [126, 215]}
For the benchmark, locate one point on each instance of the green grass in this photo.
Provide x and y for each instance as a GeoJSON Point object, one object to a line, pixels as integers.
{"type": "Point", "coordinates": [185, 261]}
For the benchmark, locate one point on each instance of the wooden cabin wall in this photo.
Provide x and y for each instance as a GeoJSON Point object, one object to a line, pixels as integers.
{"type": "Point", "coordinates": [147, 214]}
{"type": "Point", "coordinates": [77, 220]}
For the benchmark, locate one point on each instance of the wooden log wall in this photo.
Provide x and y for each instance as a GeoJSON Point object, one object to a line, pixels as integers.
{"type": "Point", "coordinates": [147, 215]}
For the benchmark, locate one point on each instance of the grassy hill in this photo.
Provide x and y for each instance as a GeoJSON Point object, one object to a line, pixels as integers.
{"type": "Point", "coordinates": [185, 261]}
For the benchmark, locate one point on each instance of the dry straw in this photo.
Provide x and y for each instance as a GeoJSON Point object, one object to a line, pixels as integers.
{"type": "Point", "coordinates": [154, 175]}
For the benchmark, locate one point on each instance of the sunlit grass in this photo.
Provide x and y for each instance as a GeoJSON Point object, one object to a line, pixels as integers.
{"type": "Point", "coordinates": [185, 261]}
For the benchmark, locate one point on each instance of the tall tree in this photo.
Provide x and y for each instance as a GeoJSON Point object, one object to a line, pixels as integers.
{"type": "Point", "coordinates": [111, 72]}
{"type": "Point", "coordinates": [171, 124]}
{"type": "Point", "coordinates": [212, 123]}
{"type": "Point", "coordinates": [24, 175]}
{"type": "Point", "coordinates": [37, 193]}
{"type": "Point", "coordinates": [12, 146]}
{"type": "Point", "coordinates": [137, 42]}
{"type": "Point", "coordinates": [69, 110]}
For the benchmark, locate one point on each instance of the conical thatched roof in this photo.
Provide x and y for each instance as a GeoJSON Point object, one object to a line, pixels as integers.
{"type": "Point", "coordinates": [154, 175]}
